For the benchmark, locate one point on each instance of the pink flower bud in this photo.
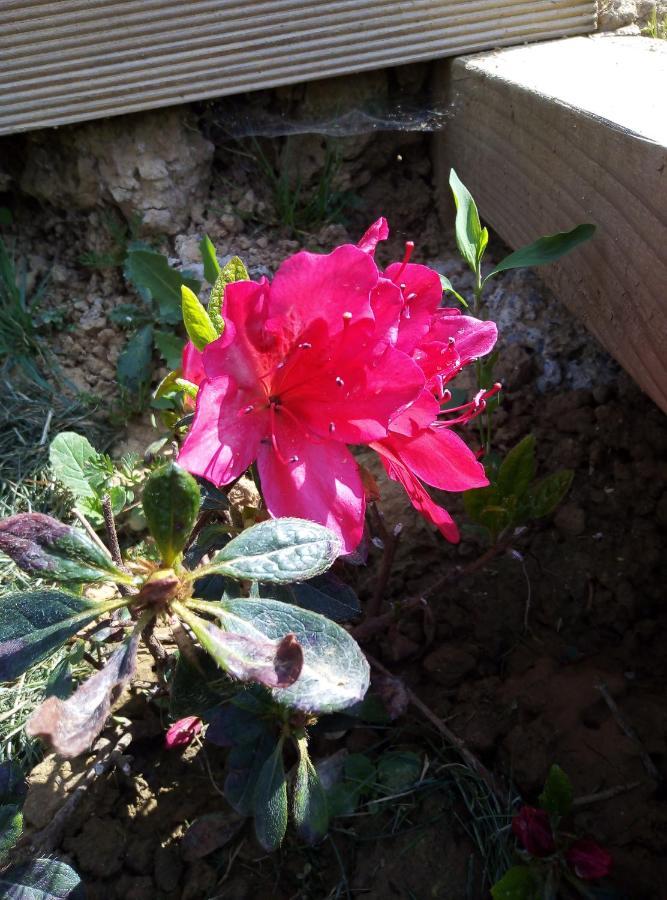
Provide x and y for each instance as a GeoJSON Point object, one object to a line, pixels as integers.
{"type": "Point", "coordinates": [183, 732]}
{"type": "Point", "coordinates": [532, 829]}
{"type": "Point", "coordinates": [588, 859]}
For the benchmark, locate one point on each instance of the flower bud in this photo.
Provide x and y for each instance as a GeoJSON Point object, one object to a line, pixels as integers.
{"type": "Point", "coordinates": [588, 860]}
{"type": "Point", "coordinates": [532, 829]}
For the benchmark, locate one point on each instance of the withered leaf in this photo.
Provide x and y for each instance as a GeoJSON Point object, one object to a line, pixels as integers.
{"type": "Point", "coordinates": [70, 726]}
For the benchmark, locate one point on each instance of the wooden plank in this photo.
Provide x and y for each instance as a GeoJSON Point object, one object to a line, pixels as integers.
{"type": "Point", "coordinates": [72, 60]}
{"type": "Point", "coordinates": [572, 131]}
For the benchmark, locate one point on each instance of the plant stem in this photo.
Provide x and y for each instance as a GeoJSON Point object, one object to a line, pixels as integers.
{"type": "Point", "coordinates": [114, 546]}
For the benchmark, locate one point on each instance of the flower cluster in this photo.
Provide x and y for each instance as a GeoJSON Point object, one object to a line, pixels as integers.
{"type": "Point", "coordinates": [335, 352]}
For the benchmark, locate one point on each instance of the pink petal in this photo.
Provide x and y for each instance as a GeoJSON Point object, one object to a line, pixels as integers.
{"type": "Point", "coordinates": [387, 303]}
{"type": "Point", "coordinates": [192, 364]}
{"type": "Point", "coordinates": [422, 295]}
{"type": "Point", "coordinates": [311, 286]}
{"type": "Point", "coordinates": [223, 439]}
{"type": "Point", "coordinates": [418, 495]}
{"type": "Point", "coordinates": [321, 483]}
{"type": "Point", "coordinates": [379, 231]}
{"type": "Point", "coordinates": [183, 732]}
{"type": "Point", "coordinates": [417, 416]}
{"type": "Point", "coordinates": [440, 458]}
{"type": "Point", "coordinates": [473, 337]}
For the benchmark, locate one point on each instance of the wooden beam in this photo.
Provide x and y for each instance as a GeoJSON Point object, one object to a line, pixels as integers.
{"type": "Point", "coordinates": [571, 131]}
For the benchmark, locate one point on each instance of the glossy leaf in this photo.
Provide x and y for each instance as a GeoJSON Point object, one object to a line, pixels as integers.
{"type": "Point", "coordinates": [518, 883]}
{"type": "Point", "coordinates": [70, 726]}
{"type": "Point", "coordinates": [517, 469]}
{"type": "Point", "coordinates": [197, 323]}
{"type": "Point", "coordinates": [250, 656]}
{"type": "Point", "coordinates": [210, 259]}
{"type": "Point", "coordinates": [469, 235]}
{"type": "Point", "coordinates": [11, 826]}
{"type": "Point", "coordinates": [335, 672]}
{"type": "Point", "coordinates": [234, 270]}
{"type": "Point", "coordinates": [171, 505]}
{"type": "Point", "coordinates": [46, 548]}
{"type": "Point", "coordinates": [548, 493]}
{"type": "Point", "coordinates": [278, 550]}
{"type": "Point", "coordinates": [545, 250]}
{"type": "Point", "coordinates": [557, 795]}
{"type": "Point", "coordinates": [270, 802]}
{"type": "Point", "coordinates": [151, 273]}
{"type": "Point", "coordinates": [72, 458]}
{"type": "Point", "coordinates": [41, 879]}
{"type": "Point", "coordinates": [34, 624]}
{"type": "Point", "coordinates": [245, 763]}
{"type": "Point", "coordinates": [133, 368]}
{"type": "Point", "coordinates": [309, 801]}
{"type": "Point", "coordinates": [329, 596]}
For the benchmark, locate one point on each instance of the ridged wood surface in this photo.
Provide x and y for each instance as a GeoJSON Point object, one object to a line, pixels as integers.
{"type": "Point", "coordinates": [72, 60]}
{"type": "Point", "coordinates": [573, 131]}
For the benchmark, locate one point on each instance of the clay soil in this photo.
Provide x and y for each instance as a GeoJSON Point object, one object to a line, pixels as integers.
{"type": "Point", "coordinates": [512, 658]}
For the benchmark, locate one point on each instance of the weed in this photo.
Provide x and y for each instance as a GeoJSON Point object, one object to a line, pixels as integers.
{"type": "Point", "coordinates": [656, 27]}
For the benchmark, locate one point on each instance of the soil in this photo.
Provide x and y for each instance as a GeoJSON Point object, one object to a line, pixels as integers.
{"type": "Point", "coordinates": [511, 657]}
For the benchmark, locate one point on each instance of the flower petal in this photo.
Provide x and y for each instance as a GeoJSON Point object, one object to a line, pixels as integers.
{"type": "Point", "coordinates": [321, 482]}
{"type": "Point", "coordinates": [379, 231]}
{"type": "Point", "coordinates": [440, 458]}
{"type": "Point", "coordinates": [192, 364]}
{"type": "Point", "coordinates": [422, 294]}
{"type": "Point", "coordinates": [223, 439]}
{"type": "Point", "coordinates": [417, 416]}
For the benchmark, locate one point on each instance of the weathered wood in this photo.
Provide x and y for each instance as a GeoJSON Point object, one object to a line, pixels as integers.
{"type": "Point", "coordinates": [572, 131]}
{"type": "Point", "coordinates": [71, 60]}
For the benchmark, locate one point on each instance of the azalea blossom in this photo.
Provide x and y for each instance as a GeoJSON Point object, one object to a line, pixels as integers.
{"type": "Point", "coordinates": [332, 352]}
{"type": "Point", "coordinates": [183, 732]}
{"type": "Point", "coordinates": [532, 829]}
{"type": "Point", "coordinates": [589, 860]}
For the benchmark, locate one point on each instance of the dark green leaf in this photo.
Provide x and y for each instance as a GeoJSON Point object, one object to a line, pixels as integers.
{"type": "Point", "coordinates": [130, 316]}
{"type": "Point", "coordinates": [487, 508]}
{"type": "Point", "coordinates": [6, 217]}
{"type": "Point", "coordinates": [245, 763]}
{"type": "Point", "coordinates": [41, 879]}
{"type": "Point", "coordinates": [171, 506]}
{"type": "Point", "coordinates": [270, 806]}
{"type": "Point", "coordinates": [469, 234]}
{"type": "Point", "coordinates": [134, 365]}
{"type": "Point", "coordinates": [230, 725]}
{"type": "Point", "coordinates": [335, 672]}
{"type": "Point", "coordinates": [195, 686]}
{"type": "Point", "coordinates": [518, 883]}
{"type": "Point", "coordinates": [60, 682]}
{"type": "Point", "coordinates": [170, 347]}
{"type": "Point", "coordinates": [197, 323]}
{"type": "Point", "coordinates": [151, 273]}
{"type": "Point", "coordinates": [448, 289]}
{"type": "Point", "coordinates": [278, 550]}
{"type": "Point", "coordinates": [73, 459]}
{"type": "Point", "coordinates": [517, 469]}
{"type": "Point", "coordinates": [12, 781]}
{"type": "Point", "coordinates": [329, 596]}
{"type": "Point", "coordinates": [309, 801]}
{"type": "Point", "coordinates": [210, 260]}
{"type": "Point", "coordinates": [70, 726]}
{"type": "Point", "coordinates": [548, 493]}
{"type": "Point", "coordinates": [233, 271]}
{"type": "Point", "coordinates": [545, 250]}
{"type": "Point", "coordinates": [557, 795]}
{"type": "Point", "coordinates": [46, 548]}
{"type": "Point", "coordinates": [398, 770]}
{"type": "Point", "coordinates": [34, 624]}
{"type": "Point", "coordinates": [11, 826]}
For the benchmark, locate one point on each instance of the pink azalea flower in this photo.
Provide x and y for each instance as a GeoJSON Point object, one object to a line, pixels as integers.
{"type": "Point", "coordinates": [589, 860]}
{"type": "Point", "coordinates": [532, 829]}
{"type": "Point", "coordinates": [303, 367]}
{"type": "Point", "coordinates": [192, 364]}
{"type": "Point", "coordinates": [183, 732]}
{"type": "Point", "coordinates": [420, 446]}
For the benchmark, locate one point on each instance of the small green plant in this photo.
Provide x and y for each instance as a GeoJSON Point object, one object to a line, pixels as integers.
{"type": "Point", "coordinates": [656, 27]}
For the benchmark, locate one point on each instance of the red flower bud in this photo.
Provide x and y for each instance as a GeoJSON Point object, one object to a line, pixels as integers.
{"type": "Point", "coordinates": [182, 732]}
{"type": "Point", "coordinates": [588, 859]}
{"type": "Point", "coordinates": [532, 829]}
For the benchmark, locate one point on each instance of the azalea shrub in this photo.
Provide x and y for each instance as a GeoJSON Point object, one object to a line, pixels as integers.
{"type": "Point", "coordinates": [279, 380]}
{"type": "Point", "coordinates": [552, 860]}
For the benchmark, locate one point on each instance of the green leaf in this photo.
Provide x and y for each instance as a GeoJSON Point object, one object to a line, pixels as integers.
{"type": "Point", "coordinates": [518, 883]}
{"type": "Point", "coordinates": [197, 323]}
{"type": "Point", "coordinates": [34, 624]}
{"type": "Point", "coordinates": [335, 672]}
{"type": "Point", "coordinates": [41, 879]}
{"type": "Point", "coordinates": [469, 235]}
{"type": "Point", "coordinates": [547, 494]}
{"type": "Point", "coordinates": [151, 273]}
{"type": "Point", "coordinates": [545, 250]}
{"type": "Point", "coordinates": [11, 826]}
{"type": "Point", "coordinates": [447, 288]}
{"type": "Point", "coordinates": [278, 550]}
{"type": "Point", "coordinates": [517, 469]}
{"type": "Point", "coordinates": [193, 685]}
{"type": "Point", "coordinates": [72, 456]}
{"type": "Point", "coordinates": [6, 217]}
{"type": "Point", "coordinates": [44, 547]}
{"type": "Point", "coordinates": [328, 596]}
{"type": "Point", "coordinates": [171, 506]}
{"type": "Point", "coordinates": [233, 271]}
{"type": "Point", "coordinates": [487, 508]}
{"type": "Point", "coordinates": [134, 365]}
{"type": "Point", "coordinates": [309, 801]}
{"type": "Point", "coordinates": [170, 347]}
{"type": "Point", "coordinates": [246, 761]}
{"type": "Point", "coordinates": [398, 770]}
{"type": "Point", "coordinates": [557, 795]}
{"type": "Point", "coordinates": [210, 259]}
{"type": "Point", "coordinates": [270, 801]}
